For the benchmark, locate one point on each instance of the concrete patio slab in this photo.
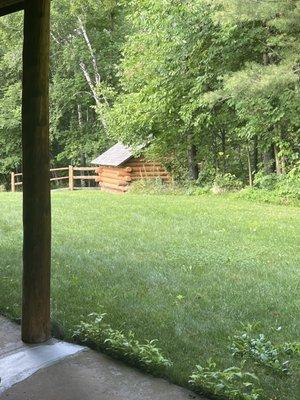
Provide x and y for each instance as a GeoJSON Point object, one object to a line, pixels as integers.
{"type": "Point", "coordinates": [86, 376]}
{"type": "Point", "coordinates": [10, 338]}
{"type": "Point", "coordinates": [23, 363]}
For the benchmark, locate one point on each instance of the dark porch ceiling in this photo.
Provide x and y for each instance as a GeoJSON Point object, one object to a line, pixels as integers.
{"type": "Point", "coordinates": [10, 6]}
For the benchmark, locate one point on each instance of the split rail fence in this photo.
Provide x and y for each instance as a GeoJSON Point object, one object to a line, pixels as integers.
{"type": "Point", "coordinates": [71, 177]}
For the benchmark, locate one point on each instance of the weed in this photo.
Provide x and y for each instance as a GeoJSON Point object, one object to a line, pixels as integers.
{"type": "Point", "coordinates": [100, 334]}
{"type": "Point", "coordinates": [231, 383]}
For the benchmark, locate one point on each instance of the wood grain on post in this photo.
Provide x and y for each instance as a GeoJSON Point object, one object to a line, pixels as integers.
{"type": "Point", "coordinates": [71, 177]}
{"type": "Point", "coordinates": [36, 176]}
{"type": "Point", "coordinates": [13, 186]}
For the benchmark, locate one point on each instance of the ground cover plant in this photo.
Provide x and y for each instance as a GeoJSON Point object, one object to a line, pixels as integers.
{"type": "Point", "coordinates": [232, 383]}
{"type": "Point", "coordinates": [254, 345]}
{"type": "Point", "coordinates": [100, 335]}
{"type": "Point", "coordinates": [185, 270]}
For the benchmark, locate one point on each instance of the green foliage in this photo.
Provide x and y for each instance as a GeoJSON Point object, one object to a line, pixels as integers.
{"type": "Point", "coordinates": [193, 190]}
{"type": "Point", "coordinates": [265, 181]}
{"type": "Point", "coordinates": [290, 348]}
{"type": "Point", "coordinates": [153, 186]}
{"type": "Point", "coordinates": [10, 95]}
{"type": "Point", "coordinates": [226, 182]}
{"type": "Point", "coordinates": [288, 186]}
{"type": "Point", "coordinates": [234, 383]}
{"type": "Point", "coordinates": [77, 132]}
{"type": "Point", "coordinates": [100, 335]}
{"type": "Point", "coordinates": [280, 183]}
{"type": "Point", "coordinates": [207, 174]}
{"type": "Point", "coordinates": [215, 76]}
{"type": "Point", "coordinates": [251, 344]}
{"type": "Point", "coordinates": [159, 187]}
{"type": "Point", "coordinates": [273, 188]}
{"type": "Point", "coordinates": [231, 383]}
{"type": "Point", "coordinates": [268, 196]}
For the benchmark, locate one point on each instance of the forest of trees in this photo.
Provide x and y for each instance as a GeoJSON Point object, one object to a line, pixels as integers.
{"type": "Point", "coordinates": [211, 85]}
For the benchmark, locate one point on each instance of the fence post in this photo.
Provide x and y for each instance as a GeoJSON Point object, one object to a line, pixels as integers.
{"type": "Point", "coordinates": [13, 185]}
{"type": "Point", "coordinates": [71, 177]}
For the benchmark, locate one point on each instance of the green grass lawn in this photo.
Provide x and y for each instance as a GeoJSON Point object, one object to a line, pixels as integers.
{"type": "Point", "coordinates": [230, 262]}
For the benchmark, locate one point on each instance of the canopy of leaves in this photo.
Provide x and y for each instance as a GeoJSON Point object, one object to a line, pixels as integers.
{"type": "Point", "coordinates": [213, 83]}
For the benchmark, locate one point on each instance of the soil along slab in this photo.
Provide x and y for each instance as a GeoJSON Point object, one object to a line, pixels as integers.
{"type": "Point", "coordinates": [23, 363]}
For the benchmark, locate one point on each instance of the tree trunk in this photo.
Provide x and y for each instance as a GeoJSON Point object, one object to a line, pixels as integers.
{"type": "Point", "coordinates": [215, 151]}
{"type": "Point", "coordinates": [283, 167]}
{"type": "Point", "coordinates": [255, 154]}
{"type": "Point", "coordinates": [192, 159]}
{"type": "Point", "coordinates": [223, 139]}
{"type": "Point", "coordinates": [277, 161]}
{"type": "Point", "coordinates": [266, 59]}
{"type": "Point", "coordinates": [82, 155]}
{"type": "Point", "coordinates": [268, 160]}
{"type": "Point", "coordinates": [249, 168]}
{"type": "Point", "coordinates": [36, 175]}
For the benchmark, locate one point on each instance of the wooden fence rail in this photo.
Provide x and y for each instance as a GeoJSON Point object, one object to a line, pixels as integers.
{"type": "Point", "coordinates": [71, 176]}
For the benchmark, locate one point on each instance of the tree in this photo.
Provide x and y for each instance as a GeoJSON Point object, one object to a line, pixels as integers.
{"type": "Point", "coordinates": [211, 85]}
{"type": "Point", "coordinates": [10, 94]}
{"type": "Point", "coordinates": [86, 45]}
{"type": "Point", "coordinates": [85, 49]}
{"type": "Point", "coordinates": [168, 68]}
{"type": "Point", "coordinates": [265, 93]}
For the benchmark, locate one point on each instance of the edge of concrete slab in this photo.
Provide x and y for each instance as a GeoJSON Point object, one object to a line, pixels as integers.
{"type": "Point", "coordinates": [87, 375]}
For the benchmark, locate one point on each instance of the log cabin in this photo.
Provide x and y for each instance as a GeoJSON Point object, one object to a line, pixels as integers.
{"type": "Point", "coordinates": [118, 167]}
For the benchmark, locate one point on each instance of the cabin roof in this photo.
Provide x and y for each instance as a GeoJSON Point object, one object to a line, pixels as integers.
{"type": "Point", "coordinates": [9, 6]}
{"type": "Point", "coordinates": [115, 156]}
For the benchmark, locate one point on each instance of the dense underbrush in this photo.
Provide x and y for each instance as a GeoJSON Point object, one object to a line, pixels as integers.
{"type": "Point", "coordinates": [272, 188]}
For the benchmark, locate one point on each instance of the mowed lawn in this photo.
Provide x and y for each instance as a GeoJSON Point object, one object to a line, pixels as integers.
{"type": "Point", "coordinates": [184, 270]}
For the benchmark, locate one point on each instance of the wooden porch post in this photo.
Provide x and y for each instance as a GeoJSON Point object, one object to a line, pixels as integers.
{"type": "Point", "coordinates": [36, 179]}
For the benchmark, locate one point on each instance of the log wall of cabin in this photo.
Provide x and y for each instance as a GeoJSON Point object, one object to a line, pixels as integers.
{"type": "Point", "coordinates": [142, 169]}
{"type": "Point", "coordinates": [113, 179]}
{"type": "Point", "coordinates": [118, 179]}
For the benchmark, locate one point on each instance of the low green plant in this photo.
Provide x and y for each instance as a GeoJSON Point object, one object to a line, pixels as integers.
{"type": "Point", "coordinates": [157, 187]}
{"type": "Point", "coordinates": [231, 383]}
{"type": "Point", "coordinates": [291, 348]}
{"type": "Point", "coordinates": [226, 183]}
{"type": "Point", "coordinates": [269, 196]}
{"type": "Point", "coordinates": [102, 336]}
{"type": "Point", "coordinates": [193, 190]}
{"type": "Point", "coordinates": [92, 331]}
{"type": "Point", "coordinates": [284, 187]}
{"type": "Point", "coordinates": [289, 185]}
{"type": "Point", "coordinates": [154, 186]}
{"type": "Point", "coordinates": [261, 350]}
{"type": "Point", "coordinates": [256, 346]}
{"type": "Point", "coordinates": [207, 174]}
{"type": "Point", "coordinates": [265, 181]}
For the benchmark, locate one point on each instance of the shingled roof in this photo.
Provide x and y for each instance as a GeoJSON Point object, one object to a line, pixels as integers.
{"type": "Point", "coordinates": [114, 156]}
